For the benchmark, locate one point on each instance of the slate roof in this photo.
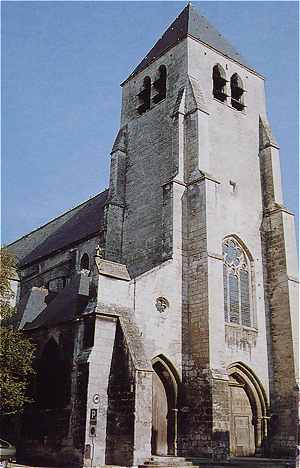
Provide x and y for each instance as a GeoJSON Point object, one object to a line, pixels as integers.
{"type": "Point", "coordinates": [70, 228]}
{"type": "Point", "coordinates": [190, 23]}
{"type": "Point", "coordinates": [69, 302]}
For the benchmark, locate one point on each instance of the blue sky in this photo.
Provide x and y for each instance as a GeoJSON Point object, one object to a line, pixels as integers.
{"type": "Point", "coordinates": [62, 63]}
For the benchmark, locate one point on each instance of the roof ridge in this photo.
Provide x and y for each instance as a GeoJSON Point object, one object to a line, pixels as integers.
{"type": "Point", "coordinates": [191, 23]}
{"type": "Point", "coordinates": [144, 62]}
{"type": "Point", "coordinates": [213, 29]}
{"type": "Point", "coordinates": [55, 218]}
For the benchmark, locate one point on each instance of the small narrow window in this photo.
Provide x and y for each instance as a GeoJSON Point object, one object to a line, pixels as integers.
{"type": "Point", "coordinates": [160, 85]}
{"type": "Point", "coordinates": [219, 83]}
{"type": "Point", "coordinates": [56, 284]}
{"type": "Point", "coordinates": [237, 92]}
{"type": "Point", "coordinates": [145, 96]}
{"type": "Point", "coordinates": [85, 262]}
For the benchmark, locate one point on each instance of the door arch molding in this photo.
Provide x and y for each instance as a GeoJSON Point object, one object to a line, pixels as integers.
{"type": "Point", "coordinates": [257, 397]}
{"type": "Point", "coordinates": [170, 379]}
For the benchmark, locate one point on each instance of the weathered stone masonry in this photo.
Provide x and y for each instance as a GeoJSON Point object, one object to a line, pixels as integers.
{"type": "Point", "coordinates": [139, 295]}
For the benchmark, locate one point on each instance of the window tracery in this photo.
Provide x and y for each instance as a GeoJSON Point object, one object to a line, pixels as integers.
{"type": "Point", "coordinates": [237, 284]}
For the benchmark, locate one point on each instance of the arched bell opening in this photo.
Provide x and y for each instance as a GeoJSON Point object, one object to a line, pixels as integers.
{"type": "Point", "coordinates": [164, 407]}
{"type": "Point", "coordinates": [248, 412]}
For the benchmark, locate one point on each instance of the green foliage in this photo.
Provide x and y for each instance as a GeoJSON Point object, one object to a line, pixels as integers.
{"type": "Point", "coordinates": [16, 354]}
{"type": "Point", "coordinates": [7, 272]}
{"type": "Point", "coordinates": [16, 350]}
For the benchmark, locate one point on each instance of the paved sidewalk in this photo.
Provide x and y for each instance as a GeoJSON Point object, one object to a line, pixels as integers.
{"type": "Point", "coordinates": [17, 465]}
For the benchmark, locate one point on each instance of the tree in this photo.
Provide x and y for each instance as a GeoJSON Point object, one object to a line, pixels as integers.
{"type": "Point", "coordinates": [16, 350]}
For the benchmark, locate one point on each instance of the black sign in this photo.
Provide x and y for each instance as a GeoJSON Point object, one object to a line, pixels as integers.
{"type": "Point", "coordinates": [93, 415]}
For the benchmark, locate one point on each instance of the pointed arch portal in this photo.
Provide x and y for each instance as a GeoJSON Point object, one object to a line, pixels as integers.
{"type": "Point", "coordinates": [248, 411]}
{"type": "Point", "coordinates": [52, 381]}
{"type": "Point", "coordinates": [164, 407]}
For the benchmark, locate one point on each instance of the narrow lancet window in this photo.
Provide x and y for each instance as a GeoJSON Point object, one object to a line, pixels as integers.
{"type": "Point", "coordinates": [237, 92]}
{"type": "Point", "coordinates": [219, 83]}
{"type": "Point", "coordinates": [85, 262]}
{"type": "Point", "coordinates": [145, 96]}
{"type": "Point", "coordinates": [160, 85]}
{"type": "Point", "coordinates": [237, 284]}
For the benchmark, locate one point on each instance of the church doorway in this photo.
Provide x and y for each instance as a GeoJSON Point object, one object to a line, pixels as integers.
{"type": "Point", "coordinates": [242, 440]}
{"type": "Point", "coordinates": [248, 418]}
{"type": "Point", "coordinates": [164, 409]}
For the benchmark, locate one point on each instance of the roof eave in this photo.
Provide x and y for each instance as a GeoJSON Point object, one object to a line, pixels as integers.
{"type": "Point", "coordinates": [252, 70]}
{"type": "Point", "coordinates": [134, 74]}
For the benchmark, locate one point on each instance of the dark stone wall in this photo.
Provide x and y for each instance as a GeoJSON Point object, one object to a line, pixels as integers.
{"type": "Point", "coordinates": [277, 234]}
{"type": "Point", "coordinates": [284, 396]}
{"type": "Point", "coordinates": [139, 209]}
{"type": "Point", "coordinates": [53, 431]}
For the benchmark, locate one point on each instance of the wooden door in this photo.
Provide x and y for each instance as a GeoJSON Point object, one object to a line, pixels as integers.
{"type": "Point", "coordinates": [242, 440]}
{"type": "Point", "coordinates": [159, 440]}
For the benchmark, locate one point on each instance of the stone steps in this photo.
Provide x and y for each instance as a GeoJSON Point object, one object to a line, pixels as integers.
{"type": "Point", "coordinates": [169, 461]}
{"type": "Point", "coordinates": [245, 462]}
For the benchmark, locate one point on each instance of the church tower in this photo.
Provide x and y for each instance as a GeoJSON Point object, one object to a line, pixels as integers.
{"type": "Point", "coordinates": [195, 212]}
{"type": "Point", "coordinates": [164, 310]}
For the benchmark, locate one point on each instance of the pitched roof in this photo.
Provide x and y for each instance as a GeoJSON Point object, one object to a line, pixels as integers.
{"type": "Point", "coordinates": [190, 23]}
{"type": "Point", "coordinates": [70, 301]}
{"type": "Point", "coordinates": [81, 222]}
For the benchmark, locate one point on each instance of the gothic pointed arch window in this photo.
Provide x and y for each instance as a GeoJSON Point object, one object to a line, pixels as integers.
{"type": "Point", "coordinates": [85, 262]}
{"type": "Point", "coordinates": [219, 83]}
{"type": "Point", "coordinates": [53, 379]}
{"type": "Point", "coordinates": [237, 284]}
{"type": "Point", "coordinates": [237, 92]}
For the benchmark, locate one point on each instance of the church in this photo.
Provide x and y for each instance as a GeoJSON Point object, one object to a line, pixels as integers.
{"type": "Point", "coordinates": [164, 309]}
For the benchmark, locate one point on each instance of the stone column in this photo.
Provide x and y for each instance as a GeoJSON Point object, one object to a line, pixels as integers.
{"type": "Point", "coordinates": [142, 416]}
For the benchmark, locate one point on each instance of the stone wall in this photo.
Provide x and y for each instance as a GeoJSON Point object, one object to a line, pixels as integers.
{"type": "Point", "coordinates": [204, 414]}
{"type": "Point", "coordinates": [184, 175]}
{"type": "Point", "coordinates": [49, 432]}
{"type": "Point", "coordinates": [281, 282]}
{"type": "Point", "coordinates": [150, 166]}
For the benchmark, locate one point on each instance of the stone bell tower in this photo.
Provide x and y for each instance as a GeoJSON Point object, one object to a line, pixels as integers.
{"type": "Point", "coordinates": [195, 191]}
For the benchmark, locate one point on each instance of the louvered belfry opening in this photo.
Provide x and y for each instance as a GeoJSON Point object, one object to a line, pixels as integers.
{"type": "Point", "coordinates": [145, 96]}
{"type": "Point", "coordinates": [160, 85]}
{"type": "Point", "coordinates": [237, 92]}
{"type": "Point", "coordinates": [219, 83]}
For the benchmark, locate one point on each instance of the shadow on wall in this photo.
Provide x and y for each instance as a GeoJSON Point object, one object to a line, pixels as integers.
{"type": "Point", "coordinates": [44, 438]}
{"type": "Point", "coordinates": [120, 411]}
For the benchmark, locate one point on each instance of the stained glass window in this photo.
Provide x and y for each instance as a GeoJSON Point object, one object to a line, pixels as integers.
{"type": "Point", "coordinates": [233, 286]}
{"type": "Point", "coordinates": [237, 277]}
{"type": "Point", "coordinates": [225, 279]}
